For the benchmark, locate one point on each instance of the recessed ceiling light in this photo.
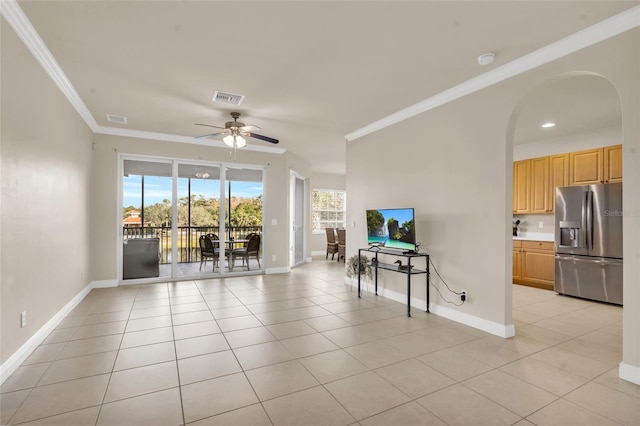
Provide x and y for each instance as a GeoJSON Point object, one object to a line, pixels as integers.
{"type": "Point", "coordinates": [548, 125]}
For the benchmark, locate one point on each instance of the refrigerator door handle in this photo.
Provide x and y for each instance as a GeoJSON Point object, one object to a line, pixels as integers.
{"type": "Point", "coordinates": [584, 243]}
{"type": "Point", "coordinates": [590, 220]}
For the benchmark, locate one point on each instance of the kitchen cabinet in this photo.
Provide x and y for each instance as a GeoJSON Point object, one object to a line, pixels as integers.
{"type": "Point", "coordinates": [535, 180]}
{"type": "Point", "coordinates": [612, 157]}
{"type": "Point", "coordinates": [517, 260]}
{"type": "Point", "coordinates": [586, 167]}
{"type": "Point", "coordinates": [539, 202]}
{"type": "Point", "coordinates": [534, 264]}
{"type": "Point", "coordinates": [558, 176]}
{"type": "Point", "coordinates": [521, 186]}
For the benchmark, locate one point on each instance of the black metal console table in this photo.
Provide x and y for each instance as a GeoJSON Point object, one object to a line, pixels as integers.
{"type": "Point", "coordinates": [407, 269]}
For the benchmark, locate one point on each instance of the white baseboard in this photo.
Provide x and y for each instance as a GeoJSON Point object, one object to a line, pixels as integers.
{"type": "Point", "coordinates": [309, 259]}
{"type": "Point", "coordinates": [18, 357]}
{"type": "Point", "coordinates": [497, 329]}
{"type": "Point", "coordinates": [104, 284]}
{"type": "Point", "coordinates": [281, 270]}
{"type": "Point", "coordinates": [630, 373]}
{"type": "Point", "coordinates": [491, 327]}
{"type": "Point", "coordinates": [318, 252]}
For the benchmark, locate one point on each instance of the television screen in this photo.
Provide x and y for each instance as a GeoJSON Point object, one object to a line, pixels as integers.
{"type": "Point", "coordinates": [393, 228]}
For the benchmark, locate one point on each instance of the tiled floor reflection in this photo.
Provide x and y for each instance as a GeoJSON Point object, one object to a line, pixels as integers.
{"type": "Point", "coordinates": [302, 349]}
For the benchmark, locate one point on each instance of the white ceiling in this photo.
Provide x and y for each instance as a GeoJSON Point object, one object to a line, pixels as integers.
{"type": "Point", "coordinates": [312, 72]}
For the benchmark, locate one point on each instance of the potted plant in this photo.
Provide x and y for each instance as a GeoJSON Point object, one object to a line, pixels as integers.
{"type": "Point", "coordinates": [364, 267]}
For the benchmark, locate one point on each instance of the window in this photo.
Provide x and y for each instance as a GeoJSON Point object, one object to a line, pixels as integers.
{"type": "Point", "coordinates": [328, 209]}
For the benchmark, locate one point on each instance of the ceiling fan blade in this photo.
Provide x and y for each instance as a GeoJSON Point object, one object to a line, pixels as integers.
{"type": "Point", "coordinates": [209, 125]}
{"type": "Point", "coordinates": [250, 128]}
{"type": "Point", "coordinates": [210, 135]}
{"type": "Point", "coordinates": [263, 138]}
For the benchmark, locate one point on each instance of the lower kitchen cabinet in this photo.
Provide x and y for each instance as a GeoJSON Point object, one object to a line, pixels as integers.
{"type": "Point", "coordinates": [534, 263]}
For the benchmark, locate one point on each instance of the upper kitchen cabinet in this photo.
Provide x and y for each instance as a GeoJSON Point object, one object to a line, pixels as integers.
{"type": "Point", "coordinates": [535, 180]}
{"type": "Point", "coordinates": [540, 188]}
{"type": "Point", "coordinates": [586, 167]}
{"type": "Point", "coordinates": [558, 176]}
{"type": "Point", "coordinates": [521, 186]}
{"type": "Point", "coordinates": [613, 164]}
{"type": "Point", "coordinates": [601, 165]}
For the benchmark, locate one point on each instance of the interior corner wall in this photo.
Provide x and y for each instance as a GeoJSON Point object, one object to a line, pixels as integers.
{"type": "Point", "coordinates": [318, 242]}
{"type": "Point", "coordinates": [45, 156]}
{"type": "Point", "coordinates": [449, 164]}
{"type": "Point", "coordinates": [105, 218]}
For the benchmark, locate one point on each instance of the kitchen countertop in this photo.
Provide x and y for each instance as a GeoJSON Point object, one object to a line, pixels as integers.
{"type": "Point", "coordinates": [534, 236]}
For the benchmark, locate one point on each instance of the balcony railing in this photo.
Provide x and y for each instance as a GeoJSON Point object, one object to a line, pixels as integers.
{"type": "Point", "coordinates": [188, 245]}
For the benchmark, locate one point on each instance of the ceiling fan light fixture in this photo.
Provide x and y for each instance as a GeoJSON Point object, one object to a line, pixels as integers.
{"type": "Point", "coordinates": [240, 142]}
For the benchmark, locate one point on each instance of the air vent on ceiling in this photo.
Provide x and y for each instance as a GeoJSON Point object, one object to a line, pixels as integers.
{"type": "Point", "coordinates": [112, 118]}
{"type": "Point", "coordinates": [227, 98]}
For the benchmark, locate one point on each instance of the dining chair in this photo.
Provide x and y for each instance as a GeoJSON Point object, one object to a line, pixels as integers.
{"type": "Point", "coordinates": [342, 244]}
{"type": "Point", "coordinates": [251, 249]}
{"type": "Point", "coordinates": [207, 251]}
{"type": "Point", "coordinates": [332, 244]}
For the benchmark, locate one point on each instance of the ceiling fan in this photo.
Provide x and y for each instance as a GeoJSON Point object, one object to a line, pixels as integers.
{"type": "Point", "coordinates": [236, 132]}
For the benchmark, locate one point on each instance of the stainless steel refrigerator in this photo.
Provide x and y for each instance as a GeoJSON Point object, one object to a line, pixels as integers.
{"type": "Point", "coordinates": [588, 240]}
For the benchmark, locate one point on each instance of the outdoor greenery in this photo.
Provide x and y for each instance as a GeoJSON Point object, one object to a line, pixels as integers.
{"type": "Point", "coordinates": [204, 212]}
{"type": "Point", "coordinates": [327, 209]}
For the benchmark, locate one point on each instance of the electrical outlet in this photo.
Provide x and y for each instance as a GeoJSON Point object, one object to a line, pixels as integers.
{"type": "Point", "coordinates": [23, 319]}
{"type": "Point", "coordinates": [273, 258]}
{"type": "Point", "coordinates": [464, 296]}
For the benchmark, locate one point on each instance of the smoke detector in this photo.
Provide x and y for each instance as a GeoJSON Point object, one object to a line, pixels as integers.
{"type": "Point", "coordinates": [486, 58]}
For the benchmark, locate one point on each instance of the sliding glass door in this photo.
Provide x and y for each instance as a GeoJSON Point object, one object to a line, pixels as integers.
{"type": "Point", "coordinates": [182, 219]}
{"type": "Point", "coordinates": [198, 219]}
{"type": "Point", "coordinates": [243, 218]}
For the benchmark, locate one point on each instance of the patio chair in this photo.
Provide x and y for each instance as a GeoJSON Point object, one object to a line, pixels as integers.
{"type": "Point", "coordinates": [332, 244]}
{"type": "Point", "coordinates": [251, 249]}
{"type": "Point", "coordinates": [207, 251]}
{"type": "Point", "coordinates": [216, 247]}
{"type": "Point", "coordinates": [342, 244]}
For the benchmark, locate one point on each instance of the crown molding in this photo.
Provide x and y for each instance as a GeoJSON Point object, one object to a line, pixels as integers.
{"type": "Point", "coordinates": [16, 18]}
{"type": "Point", "coordinates": [600, 31]}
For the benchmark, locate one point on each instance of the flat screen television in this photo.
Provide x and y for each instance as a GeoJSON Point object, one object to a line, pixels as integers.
{"type": "Point", "coordinates": [392, 228]}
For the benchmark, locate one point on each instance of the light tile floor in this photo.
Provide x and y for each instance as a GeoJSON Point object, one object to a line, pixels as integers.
{"type": "Point", "coordinates": [301, 348]}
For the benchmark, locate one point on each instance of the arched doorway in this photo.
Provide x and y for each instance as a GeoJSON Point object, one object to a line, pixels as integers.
{"type": "Point", "coordinates": [586, 114]}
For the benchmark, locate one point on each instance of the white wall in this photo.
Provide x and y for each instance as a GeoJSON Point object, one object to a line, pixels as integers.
{"type": "Point", "coordinates": [45, 162]}
{"type": "Point", "coordinates": [571, 143]}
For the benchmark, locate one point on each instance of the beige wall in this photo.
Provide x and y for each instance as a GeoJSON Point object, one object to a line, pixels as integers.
{"type": "Point", "coordinates": [450, 166]}
{"type": "Point", "coordinates": [318, 242]}
{"type": "Point", "coordinates": [453, 164]}
{"type": "Point", "coordinates": [45, 162]}
{"type": "Point", "coordinates": [106, 219]}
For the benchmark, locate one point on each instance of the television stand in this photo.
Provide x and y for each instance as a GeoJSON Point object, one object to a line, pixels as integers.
{"type": "Point", "coordinates": [407, 269]}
